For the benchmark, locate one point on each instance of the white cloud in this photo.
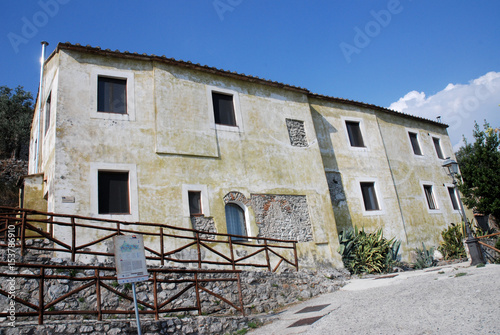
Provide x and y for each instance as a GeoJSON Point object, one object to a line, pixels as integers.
{"type": "Point", "coordinates": [459, 105]}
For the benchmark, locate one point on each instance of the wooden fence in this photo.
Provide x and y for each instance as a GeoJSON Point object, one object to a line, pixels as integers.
{"type": "Point", "coordinates": [222, 253]}
{"type": "Point", "coordinates": [220, 249]}
{"type": "Point", "coordinates": [100, 281]}
{"type": "Point", "coordinates": [487, 245]}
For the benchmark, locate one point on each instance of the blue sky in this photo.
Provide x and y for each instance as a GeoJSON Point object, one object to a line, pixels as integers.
{"type": "Point", "coordinates": [400, 54]}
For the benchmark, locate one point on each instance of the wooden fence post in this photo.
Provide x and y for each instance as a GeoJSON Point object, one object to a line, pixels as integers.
{"type": "Point", "coordinates": [198, 249]}
{"type": "Point", "coordinates": [98, 294]}
{"type": "Point", "coordinates": [23, 233]}
{"type": "Point", "coordinates": [267, 256]}
{"type": "Point", "coordinates": [73, 239]}
{"type": "Point", "coordinates": [155, 295]}
{"type": "Point", "coordinates": [162, 249]}
{"type": "Point", "coordinates": [198, 302]}
{"type": "Point", "coordinates": [295, 254]}
{"type": "Point", "coordinates": [41, 305]}
{"type": "Point", "coordinates": [232, 252]}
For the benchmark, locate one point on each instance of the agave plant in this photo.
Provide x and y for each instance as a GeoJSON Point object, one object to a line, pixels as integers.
{"type": "Point", "coordinates": [425, 257]}
{"type": "Point", "coordinates": [367, 252]}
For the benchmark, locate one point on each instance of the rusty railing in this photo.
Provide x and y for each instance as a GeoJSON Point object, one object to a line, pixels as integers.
{"type": "Point", "coordinates": [487, 245]}
{"type": "Point", "coordinates": [100, 282]}
{"type": "Point", "coordinates": [221, 247]}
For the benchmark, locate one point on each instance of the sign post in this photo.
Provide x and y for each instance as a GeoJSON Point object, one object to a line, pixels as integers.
{"type": "Point", "coordinates": [130, 260]}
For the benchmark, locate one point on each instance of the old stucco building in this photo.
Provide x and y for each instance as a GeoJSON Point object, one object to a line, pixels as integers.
{"type": "Point", "coordinates": [146, 138]}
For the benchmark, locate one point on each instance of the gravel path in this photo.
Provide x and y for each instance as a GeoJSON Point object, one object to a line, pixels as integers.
{"type": "Point", "coordinates": [456, 299]}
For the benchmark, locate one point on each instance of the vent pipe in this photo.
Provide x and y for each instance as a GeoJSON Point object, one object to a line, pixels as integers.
{"type": "Point", "coordinates": [40, 101]}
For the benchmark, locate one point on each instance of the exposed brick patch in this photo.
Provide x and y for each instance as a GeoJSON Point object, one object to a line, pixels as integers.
{"type": "Point", "coordinates": [282, 216]}
{"type": "Point", "coordinates": [204, 224]}
{"type": "Point", "coordinates": [236, 197]}
{"type": "Point", "coordinates": [297, 133]}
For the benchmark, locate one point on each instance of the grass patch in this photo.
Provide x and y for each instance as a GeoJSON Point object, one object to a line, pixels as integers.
{"type": "Point", "coordinates": [253, 325]}
{"type": "Point", "coordinates": [460, 274]}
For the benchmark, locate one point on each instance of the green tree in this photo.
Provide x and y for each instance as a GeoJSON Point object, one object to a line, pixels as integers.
{"type": "Point", "coordinates": [16, 113]}
{"type": "Point", "coordinates": [480, 166]}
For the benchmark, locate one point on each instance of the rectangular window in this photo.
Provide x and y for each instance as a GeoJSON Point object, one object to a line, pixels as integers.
{"type": "Point", "coordinates": [369, 196]}
{"type": "Point", "coordinates": [431, 202]}
{"type": "Point", "coordinates": [223, 109]}
{"type": "Point", "coordinates": [414, 144]}
{"type": "Point", "coordinates": [453, 197]}
{"type": "Point", "coordinates": [47, 112]}
{"type": "Point", "coordinates": [194, 203]}
{"type": "Point", "coordinates": [113, 192]}
{"type": "Point", "coordinates": [354, 132]}
{"type": "Point", "coordinates": [111, 95]}
{"type": "Point", "coordinates": [437, 145]}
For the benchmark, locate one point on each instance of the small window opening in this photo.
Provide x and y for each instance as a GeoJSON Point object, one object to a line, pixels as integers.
{"type": "Point", "coordinates": [112, 95]}
{"type": "Point", "coordinates": [223, 109]}
{"type": "Point", "coordinates": [414, 144]}
{"type": "Point", "coordinates": [194, 203]}
{"type": "Point", "coordinates": [431, 202]}
{"type": "Point", "coordinates": [369, 196]}
{"type": "Point", "coordinates": [354, 132]}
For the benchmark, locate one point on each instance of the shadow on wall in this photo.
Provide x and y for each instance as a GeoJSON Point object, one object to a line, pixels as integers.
{"type": "Point", "coordinates": [324, 129]}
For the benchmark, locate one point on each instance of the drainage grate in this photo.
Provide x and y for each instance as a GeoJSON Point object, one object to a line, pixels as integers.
{"type": "Point", "coordinates": [312, 309]}
{"type": "Point", "coordinates": [305, 322]}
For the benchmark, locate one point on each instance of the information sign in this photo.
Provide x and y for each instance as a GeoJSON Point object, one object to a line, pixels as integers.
{"type": "Point", "coordinates": [130, 259]}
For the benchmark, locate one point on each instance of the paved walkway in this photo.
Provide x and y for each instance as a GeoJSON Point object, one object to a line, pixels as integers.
{"type": "Point", "coordinates": [454, 299]}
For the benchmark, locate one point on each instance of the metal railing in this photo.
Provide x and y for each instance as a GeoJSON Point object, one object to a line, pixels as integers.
{"type": "Point", "coordinates": [18, 226]}
{"type": "Point", "coordinates": [221, 247]}
{"type": "Point", "coordinates": [487, 245]}
{"type": "Point", "coordinates": [100, 281]}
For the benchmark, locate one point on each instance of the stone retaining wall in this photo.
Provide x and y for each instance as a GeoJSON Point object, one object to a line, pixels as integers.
{"type": "Point", "coordinates": [262, 291]}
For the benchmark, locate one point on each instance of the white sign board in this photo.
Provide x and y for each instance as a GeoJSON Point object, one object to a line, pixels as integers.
{"type": "Point", "coordinates": [130, 259]}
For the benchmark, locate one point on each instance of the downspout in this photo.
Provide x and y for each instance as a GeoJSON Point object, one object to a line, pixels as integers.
{"type": "Point", "coordinates": [40, 101]}
{"type": "Point", "coordinates": [393, 181]}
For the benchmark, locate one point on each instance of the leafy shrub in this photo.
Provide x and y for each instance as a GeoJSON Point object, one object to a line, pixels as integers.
{"type": "Point", "coordinates": [367, 253]}
{"type": "Point", "coordinates": [452, 246]}
{"type": "Point", "coordinates": [425, 257]}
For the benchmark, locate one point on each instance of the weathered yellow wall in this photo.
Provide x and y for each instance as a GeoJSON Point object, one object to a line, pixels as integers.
{"type": "Point", "coordinates": [170, 148]}
{"type": "Point", "coordinates": [33, 199]}
{"type": "Point", "coordinates": [410, 171]}
{"type": "Point", "coordinates": [388, 159]}
{"type": "Point", "coordinates": [356, 165]}
{"type": "Point", "coordinates": [170, 140]}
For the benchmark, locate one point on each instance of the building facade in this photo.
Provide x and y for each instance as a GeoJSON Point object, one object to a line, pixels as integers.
{"type": "Point", "coordinates": [133, 137]}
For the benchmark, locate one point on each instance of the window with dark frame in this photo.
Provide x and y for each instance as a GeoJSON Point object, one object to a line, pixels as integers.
{"type": "Point", "coordinates": [414, 143]}
{"type": "Point", "coordinates": [223, 109]}
{"type": "Point", "coordinates": [429, 195]}
{"type": "Point", "coordinates": [453, 198]}
{"type": "Point", "coordinates": [111, 95]}
{"type": "Point", "coordinates": [113, 192]}
{"type": "Point", "coordinates": [47, 112]}
{"type": "Point", "coordinates": [195, 203]}
{"type": "Point", "coordinates": [369, 196]}
{"type": "Point", "coordinates": [437, 145]}
{"type": "Point", "coordinates": [354, 133]}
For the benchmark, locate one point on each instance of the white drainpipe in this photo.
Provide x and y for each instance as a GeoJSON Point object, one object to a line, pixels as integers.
{"type": "Point", "coordinates": [40, 101]}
